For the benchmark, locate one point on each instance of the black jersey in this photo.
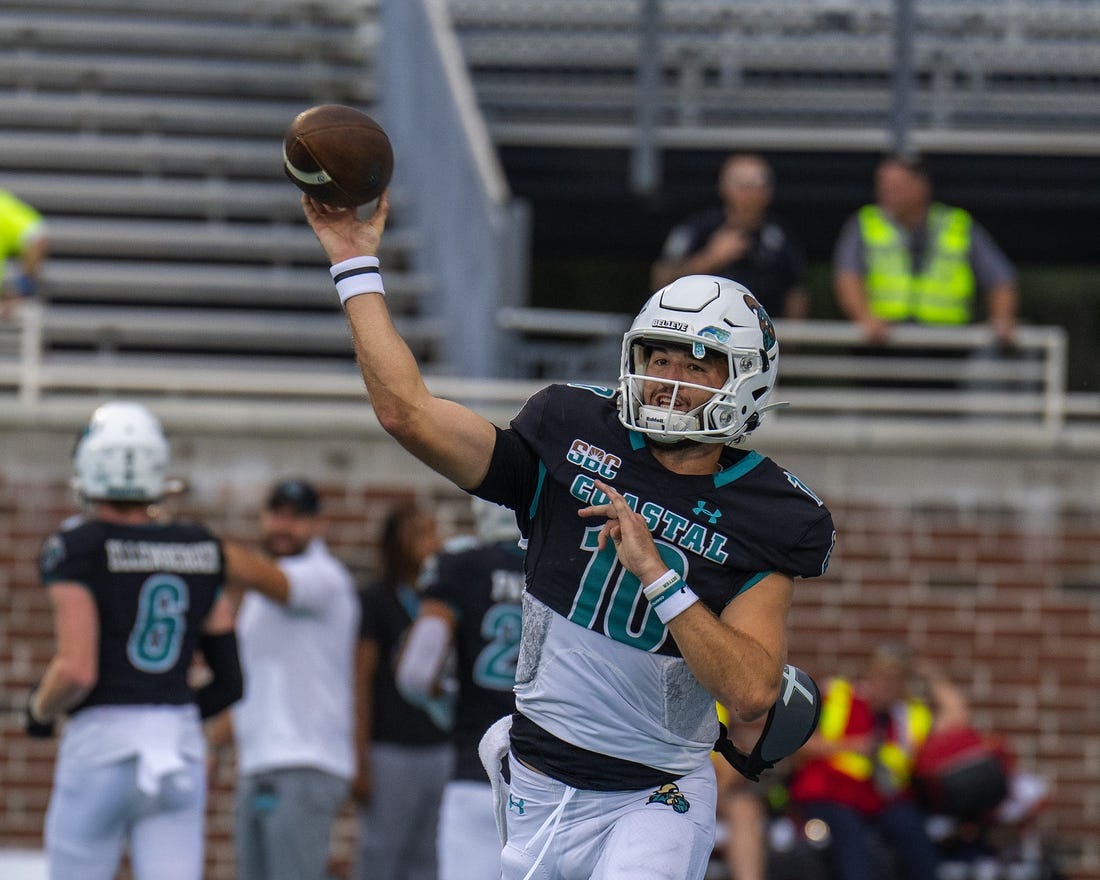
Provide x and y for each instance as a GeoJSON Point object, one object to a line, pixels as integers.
{"type": "Point", "coordinates": [388, 613]}
{"type": "Point", "coordinates": [153, 586]}
{"type": "Point", "coordinates": [483, 586]}
{"type": "Point", "coordinates": [722, 532]}
{"type": "Point", "coordinates": [604, 700]}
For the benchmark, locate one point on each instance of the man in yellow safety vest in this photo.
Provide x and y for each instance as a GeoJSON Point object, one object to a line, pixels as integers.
{"type": "Point", "coordinates": [22, 238]}
{"type": "Point", "coordinates": [906, 258]}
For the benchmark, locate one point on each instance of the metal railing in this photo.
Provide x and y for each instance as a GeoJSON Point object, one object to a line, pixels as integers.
{"type": "Point", "coordinates": [827, 365]}
{"type": "Point", "coordinates": [929, 383]}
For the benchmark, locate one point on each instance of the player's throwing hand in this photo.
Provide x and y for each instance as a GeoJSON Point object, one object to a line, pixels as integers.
{"type": "Point", "coordinates": [342, 233]}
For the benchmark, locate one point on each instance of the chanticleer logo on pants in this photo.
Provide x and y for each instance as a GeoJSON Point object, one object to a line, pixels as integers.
{"type": "Point", "coordinates": [669, 794]}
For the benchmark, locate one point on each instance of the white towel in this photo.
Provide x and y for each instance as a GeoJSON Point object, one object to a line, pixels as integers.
{"type": "Point", "coordinates": [491, 750]}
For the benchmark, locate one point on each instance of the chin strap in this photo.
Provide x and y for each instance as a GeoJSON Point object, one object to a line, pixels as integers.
{"type": "Point", "coordinates": [790, 723]}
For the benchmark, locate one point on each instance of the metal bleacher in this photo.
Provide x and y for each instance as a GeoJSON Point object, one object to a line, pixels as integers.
{"type": "Point", "coordinates": [811, 74]}
{"type": "Point", "coordinates": [148, 132]}
{"type": "Point", "coordinates": [182, 271]}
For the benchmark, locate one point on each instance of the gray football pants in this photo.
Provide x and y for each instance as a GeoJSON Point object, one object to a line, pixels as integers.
{"type": "Point", "coordinates": [398, 828]}
{"type": "Point", "coordinates": [284, 822]}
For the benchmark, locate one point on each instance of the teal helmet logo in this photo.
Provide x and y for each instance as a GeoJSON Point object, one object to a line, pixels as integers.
{"type": "Point", "coordinates": [767, 329]}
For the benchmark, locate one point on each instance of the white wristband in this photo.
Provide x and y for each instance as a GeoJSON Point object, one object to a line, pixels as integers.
{"type": "Point", "coordinates": [355, 276]}
{"type": "Point", "coordinates": [670, 596]}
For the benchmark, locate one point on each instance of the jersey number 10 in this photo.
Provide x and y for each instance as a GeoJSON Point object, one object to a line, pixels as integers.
{"type": "Point", "coordinates": [604, 573]}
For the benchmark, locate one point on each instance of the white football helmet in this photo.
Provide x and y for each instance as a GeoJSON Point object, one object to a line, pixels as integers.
{"type": "Point", "coordinates": [121, 456]}
{"type": "Point", "coordinates": [704, 313]}
{"type": "Point", "coordinates": [493, 522]}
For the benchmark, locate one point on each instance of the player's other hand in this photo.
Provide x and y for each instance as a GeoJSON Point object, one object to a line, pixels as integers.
{"type": "Point", "coordinates": [629, 533]}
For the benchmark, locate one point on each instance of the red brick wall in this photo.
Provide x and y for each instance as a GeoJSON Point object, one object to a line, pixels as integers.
{"type": "Point", "coordinates": [29, 511]}
{"type": "Point", "coordinates": [1012, 613]}
{"type": "Point", "coordinates": [1008, 604]}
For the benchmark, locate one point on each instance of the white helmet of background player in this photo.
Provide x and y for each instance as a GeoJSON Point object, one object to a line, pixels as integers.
{"type": "Point", "coordinates": [493, 522]}
{"type": "Point", "coordinates": [121, 456]}
{"type": "Point", "coordinates": [707, 314]}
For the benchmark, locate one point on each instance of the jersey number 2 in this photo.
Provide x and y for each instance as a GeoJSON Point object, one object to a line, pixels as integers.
{"type": "Point", "coordinates": [157, 637]}
{"type": "Point", "coordinates": [495, 666]}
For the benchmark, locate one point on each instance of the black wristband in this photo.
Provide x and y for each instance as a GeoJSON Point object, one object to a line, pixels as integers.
{"type": "Point", "coordinates": [226, 685]}
{"type": "Point", "coordinates": [32, 726]}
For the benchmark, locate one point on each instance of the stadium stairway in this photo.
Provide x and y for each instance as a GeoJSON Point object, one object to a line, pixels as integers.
{"type": "Point", "coordinates": [149, 133]}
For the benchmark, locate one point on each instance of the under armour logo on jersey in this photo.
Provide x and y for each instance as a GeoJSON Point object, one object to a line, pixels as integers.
{"type": "Point", "coordinates": [701, 509]}
{"type": "Point", "coordinates": [670, 795]}
{"type": "Point", "coordinates": [517, 804]}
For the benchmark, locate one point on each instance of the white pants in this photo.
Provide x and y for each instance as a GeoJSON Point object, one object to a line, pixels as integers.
{"type": "Point", "coordinates": [556, 832]}
{"type": "Point", "coordinates": [94, 811]}
{"type": "Point", "coordinates": [469, 848]}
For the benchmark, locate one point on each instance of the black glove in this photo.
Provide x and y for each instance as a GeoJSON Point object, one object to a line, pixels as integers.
{"type": "Point", "coordinates": [791, 721]}
{"type": "Point", "coordinates": [34, 727]}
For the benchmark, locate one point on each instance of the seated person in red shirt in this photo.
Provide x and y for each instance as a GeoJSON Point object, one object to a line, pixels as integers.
{"type": "Point", "coordinates": [854, 772]}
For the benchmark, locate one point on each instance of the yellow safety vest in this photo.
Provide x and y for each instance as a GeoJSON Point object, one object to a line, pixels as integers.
{"type": "Point", "coordinates": [896, 758]}
{"type": "Point", "coordinates": [17, 221]}
{"type": "Point", "coordinates": [943, 292]}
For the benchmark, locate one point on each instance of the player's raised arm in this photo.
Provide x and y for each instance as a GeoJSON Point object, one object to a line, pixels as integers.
{"type": "Point", "coordinates": [449, 438]}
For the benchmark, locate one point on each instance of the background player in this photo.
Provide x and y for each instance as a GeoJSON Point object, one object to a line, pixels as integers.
{"type": "Point", "coordinates": [471, 603]}
{"type": "Point", "coordinates": [621, 659]}
{"type": "Point", "coordinates": [133, 599]}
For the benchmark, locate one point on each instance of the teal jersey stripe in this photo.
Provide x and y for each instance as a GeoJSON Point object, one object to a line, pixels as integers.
{"type": "Point", "coordinates": [751, 460]}
{"type": "Point", "coordinates": [538, 491]}
{"type": "Point", "coordinates": [752, 582]}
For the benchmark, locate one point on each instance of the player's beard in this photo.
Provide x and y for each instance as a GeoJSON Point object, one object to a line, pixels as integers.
{"type": "Point", "coordinates": [682, 443]}
{"type": "Point", "coordinates": [282, 545]}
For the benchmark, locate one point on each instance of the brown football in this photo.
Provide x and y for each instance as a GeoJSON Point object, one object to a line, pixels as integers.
{"type": "Point", "coordinates": [338, 155]}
